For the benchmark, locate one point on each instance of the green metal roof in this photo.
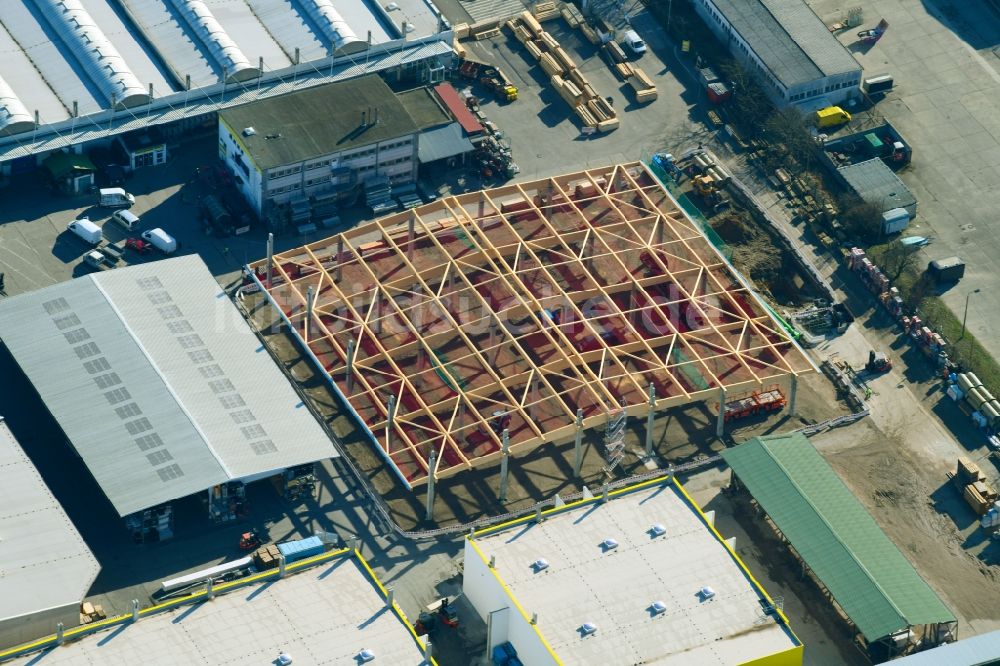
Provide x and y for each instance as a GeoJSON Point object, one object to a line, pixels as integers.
{"type": "Point", "coordinates": [837, 538]}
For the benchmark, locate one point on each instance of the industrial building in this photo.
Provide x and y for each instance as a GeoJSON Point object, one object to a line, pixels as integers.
{"type": "Point", "coordinates": [160, 386]}
{"type": "Point", "coordinates": [981, 650]}
{"type": "Point", "coordinates": [877, 184]}
{"type": "Point", "coordinates": [79, 72]}
{"type": "Point", "coordinates": [840, 546]}
{"type": "Point", "coordinates": [46, 568]}
{"type": "Point", "coordinates": [639, 577]}
{"type": "Point", "coordinates": [496, 321]}
{"type": "Point", "coordinates": [327, 609]}
{"type": "Point", "coordinates": [787, 47]}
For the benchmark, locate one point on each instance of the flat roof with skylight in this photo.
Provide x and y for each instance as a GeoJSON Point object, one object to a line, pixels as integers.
{"type": "Point", "coordinates": [640, 579]}
{"type": "Point", "coordinates": [326, 614]}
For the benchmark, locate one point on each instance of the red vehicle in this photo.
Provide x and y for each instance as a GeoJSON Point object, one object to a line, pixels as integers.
{"type": "Point", "coordinates": [139, 245]}
{"type": "Point", "coordinates": [769, 399]}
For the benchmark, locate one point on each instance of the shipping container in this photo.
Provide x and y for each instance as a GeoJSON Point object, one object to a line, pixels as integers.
{"type": "Point", "coordinates": [874, 85]}
{"type": "Point", "coordinates": [895, 220]}
{"type": "Point", "coordinates": [301, 549]}
{"type": "Point", "coordinates": [947, 270]}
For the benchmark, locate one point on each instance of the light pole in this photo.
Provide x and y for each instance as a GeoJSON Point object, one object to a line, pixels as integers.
{"type": "Point", "coordinates": [966, 313]}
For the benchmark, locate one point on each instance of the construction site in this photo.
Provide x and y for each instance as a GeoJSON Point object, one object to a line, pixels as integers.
{"type": "Point", "coordinates": [485, 325]}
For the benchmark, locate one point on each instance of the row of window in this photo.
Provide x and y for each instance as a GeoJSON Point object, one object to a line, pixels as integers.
{"type": "Point", "coordinates": [279, 173]}
{"type": "Point", "coordinates": [821, 91]}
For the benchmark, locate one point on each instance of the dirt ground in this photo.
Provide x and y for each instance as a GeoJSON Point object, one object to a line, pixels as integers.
{"type": "Point", "coordinates": [680, 435]}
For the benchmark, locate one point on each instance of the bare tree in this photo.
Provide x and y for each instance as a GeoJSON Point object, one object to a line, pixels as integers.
{"type": "Point", "coordinates": [860, 218]}
{"type": "Point", "coordinates": [897, 258]}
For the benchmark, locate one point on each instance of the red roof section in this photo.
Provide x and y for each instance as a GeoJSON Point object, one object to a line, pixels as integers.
{"type": "Point", "coordinates": [456, 106]}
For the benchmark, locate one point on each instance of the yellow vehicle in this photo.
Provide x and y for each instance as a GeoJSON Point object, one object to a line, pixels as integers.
{"type": "Point", "coordinates": [831, 116]}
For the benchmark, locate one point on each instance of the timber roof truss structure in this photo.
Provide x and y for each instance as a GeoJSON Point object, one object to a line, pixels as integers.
{"type": "Point", "coordinates": [512, 316]}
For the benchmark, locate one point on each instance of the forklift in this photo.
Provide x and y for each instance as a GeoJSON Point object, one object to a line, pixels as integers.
{"type": "Point", "coordinates": [437, 613]}
{"type": "Point", "coordinates": [878, 363]}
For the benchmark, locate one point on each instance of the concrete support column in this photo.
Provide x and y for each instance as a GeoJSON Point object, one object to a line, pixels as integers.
{"type": "Point", "coordinates": [340, 253]}
{"type": "Point", "coordinates": [210, 588]}
{"type": "Point", "coordinates": [605, 493]}
{"type": "Point", "coordinates": [793, 391]}
{"type": "Point", "coordinates": [535, 392]}
{"type": "Point", "coordinates": [390, 597]}
{"type": "Point", "coordinates": [135, 610]}
{"type": "Point", "coordinates": [411, 232]}
{"type": "Point", "coordinates": [270, 260]}
{"type": "Point", "coordinates": [310, 303]}
{"type": "Point", "coordinates": [720, 423]}
{"type": "Point", "coordinates": [281, 565]}
{"type": "Point", "coordinates": [504, 461]}
{"type": "Point", "coordinates": [431, 464]}
{"type": "Point", "coordinates": [377, 313]}
{"type": "Point", "coordinates": [578, 446]}
{"type": "Point", "coordinates": [59, 633]}
{"type": "Point", "coordinates": [390, 420]}
{"type": "Point", "coordinates": [350, 366]}
{"type": "Point", "coordinates": [649, 420]}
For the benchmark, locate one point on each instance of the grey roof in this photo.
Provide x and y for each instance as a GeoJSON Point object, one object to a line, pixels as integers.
{"type": "Point", "coordinates": [423, 106]}
{"type": "Point", "coordinates": [975, 651]}
{"type": "Point", "coordinates": [877, 183]}
{"type": "Point", "coordinates": [44, 563]}
{"type": "Point", "coordinates": [442, 142]}
{"type": "Point", "coordinates": [789, 39]}
{"type": "Point", "coordinates": [317, 122]}
{"type": "Point", "coordinates": [158, 381]}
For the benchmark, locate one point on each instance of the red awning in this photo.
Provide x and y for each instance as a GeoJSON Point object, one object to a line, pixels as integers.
{"type": "Point", "coordinates": [456, 106]}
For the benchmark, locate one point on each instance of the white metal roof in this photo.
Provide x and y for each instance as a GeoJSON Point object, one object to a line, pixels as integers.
{"type": "Point", "coordinates": [158, 381]}
{"type": "Point", "coordinates": [615, 588]}
{"type": "Point", "coordinates": [323, 615]}
{"type": "Point", "coordinates": [44, 563]}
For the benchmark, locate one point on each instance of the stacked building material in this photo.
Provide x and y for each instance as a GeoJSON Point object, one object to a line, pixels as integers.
{"type": "Point", "coordinates": [571, 84]}
{"type": "Point", "coordinates": [645, 89]}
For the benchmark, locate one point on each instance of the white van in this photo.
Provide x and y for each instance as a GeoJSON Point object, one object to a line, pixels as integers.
{"type": "Point", "coordinates": [85, 229]}
{"type": "Point", "coordinates": [161, 240]}
{"type": "Point", "coordinates": [115, 197]}
{"type": "Point", "coordinates": [127, 220]}
{"type": "Point", "coordinates": [634, 42]}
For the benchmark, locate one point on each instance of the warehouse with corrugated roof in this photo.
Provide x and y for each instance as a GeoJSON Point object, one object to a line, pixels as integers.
{"type": "Point", "coordinates": [158, 383]}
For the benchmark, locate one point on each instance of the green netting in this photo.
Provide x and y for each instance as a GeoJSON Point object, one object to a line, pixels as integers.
{"type": "Point", "coordinates": [448, 374]}
{"type": "Point", "coordinates": [693, 211]}
{"type": "Point", "coordinates": [695, 378]}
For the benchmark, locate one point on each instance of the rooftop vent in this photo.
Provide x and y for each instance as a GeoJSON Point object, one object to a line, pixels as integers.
{"type": "Point", "coordinates": [706, 593]}
{"type": "Point", "coordinates": [249, 131]}
{"type": "Point", "coordinates": [587, 628]}
{"type": "Point", "coordinates": [657, 530]}
{"type": "Point", "coordinates": [541, 564]}
{"type": "Point", "coordinates": [365, 656]}
{"type": "Point", "coordinates": [658, 607]}
{"type": "Point", "coordinates": [609, 544]}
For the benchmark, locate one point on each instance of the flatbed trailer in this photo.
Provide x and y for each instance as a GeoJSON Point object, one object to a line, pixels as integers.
{"type": "Point", "coordinates": [769, 399]}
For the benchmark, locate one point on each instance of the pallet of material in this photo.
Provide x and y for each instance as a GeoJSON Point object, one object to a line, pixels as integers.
{"type": "Point", "coordinates": [549, 64]}
{"type": "Point", "coordinates": [521, 33]}
{"type": "Point", "coordinates": [609, 125]}
{"type": "Point", "coordinates": [643, 78]}
{"type": "Point", "coordinates": [563, 58]}
{"type": "Point", "coordinates": [551, 42]}
{"type": "Point", "coordinates": [531, 23]}
{"type": "Point", "coordinates": [624, 70]}
{"type": "Point", "coordinates": [569, 92]}
{"type": "Point", "coordinates": [486, 34]}
{"type": "Point", "coordinates": [646, 95]}
{"type": "Point", "coordinates": [577, 77]}
{"type": "Point", "coordinates": [545, 11]}
{"type": "Point", "coordinates": [461, 30]}
{"type": "Point", "coordinates": [598, 112]}
{"type": "Point", "coordinates": [590, 34]}
{"type": "Point", "coordinates": [586, 116]}
{"type": "Point", "coordinates": [603, 107]}
{"type": "Point", "coordinates": [533, 49]}
{"type": "Point", "coordinates": [569, 15]}
{"type": "Point", "coordinates": [588, 91]}
{"type": "Point", "coordinates": [615, 52]}
{"type": "Point", "coordinates": [460, 50]}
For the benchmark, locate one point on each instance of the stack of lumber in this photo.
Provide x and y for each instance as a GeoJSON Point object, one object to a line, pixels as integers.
{"type": "Point", "coordinates": [546, 10]}
{"type": "Point", "coordinates": [645, 89]}
{"type": "Point", "coordinates": [566, 77]}
{"type": "Point", "coordinates": [572, 15]}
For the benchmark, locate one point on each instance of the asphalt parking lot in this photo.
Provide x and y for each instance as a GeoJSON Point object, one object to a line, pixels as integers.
{"type": "Point", "coordinates": [945, 60]}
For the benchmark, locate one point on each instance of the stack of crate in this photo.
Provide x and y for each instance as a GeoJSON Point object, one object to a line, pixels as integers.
{"type": "Point", "coordinates": [266, 557]}
{"type": "Point", "coordinates": [569, 82]}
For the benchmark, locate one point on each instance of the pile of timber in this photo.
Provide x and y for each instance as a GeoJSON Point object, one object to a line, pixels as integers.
{"type": "Point", "coordinates": [566, 77]}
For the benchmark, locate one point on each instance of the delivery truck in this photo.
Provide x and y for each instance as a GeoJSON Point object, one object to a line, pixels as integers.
{"type": "Point", "coordinates": [831, 116]}
{"type": "Point", "coordinates": [115, 197]}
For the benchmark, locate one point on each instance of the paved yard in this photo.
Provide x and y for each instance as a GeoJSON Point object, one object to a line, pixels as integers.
{"type": "Point", "coordinates": [944, 57]}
